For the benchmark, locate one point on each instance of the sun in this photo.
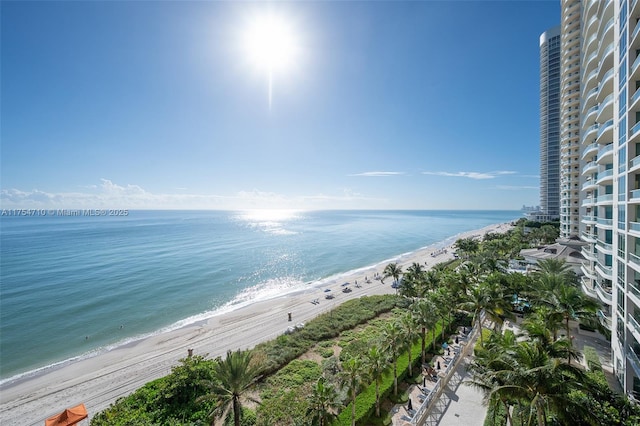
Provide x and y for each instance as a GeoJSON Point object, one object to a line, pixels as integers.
{"type": "Point", "coordinates": [272, 45]}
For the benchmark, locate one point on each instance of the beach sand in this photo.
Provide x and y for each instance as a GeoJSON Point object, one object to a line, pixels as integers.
{"type": "Point", "coordinates": [99, 381]}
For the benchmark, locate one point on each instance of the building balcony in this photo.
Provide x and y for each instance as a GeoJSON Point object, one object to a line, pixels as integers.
{"type": "Point", "coordinates": [633, 292]}
{"type": "Point", "coordinates": [589, 96]}
{"type": "Point", "coordinates": [588, 237]}
{"type": "Point", "coordinates": [605, 107]}
{"type": "Point", "coordinates": [589, 273]}
{"type": "Point", "coordinates": [634, 164]}
{"type": "Point", "coordinates": [605, 319]}
{"type": "Point", "coordinates": [634, 229]}
{"type": "Point", "coordinates": [589, 201]}
{"type": "Point", "coordinates": [590, 149]}
{"type": "Point", "coordinates": [634, 99]}
{"type": "Point", "coordinates": [591, 166]}
{"type": "Point", "coordinates": [605, 128]}
{"type": "Point", "coordinates": [588, 254]}
{"type": "Point", "coordinates": [634, 196]}
{"type": "Point", "coordinates": [603, 247]}
{"type": "Point", "coordinates": [634, 259]}
{"type": "Point", "coordinates": [605, 271]}
{"type": "Point", "coordinates": [606, 198]}
{"type": "Point", "coordinates": [588, 289]}
{"type": "Point", "coordinates": [634, 68]}
{"type": "Point", "coordinates": [633, 40]}
{"type": "Point", "coordinates": [605, 176]}
{"type": "Point", "coordinates": [633, 358]}
{"type": "Point", "coordinates": [605, 151]}
{"type": "Point", "coordinates": [634, 327]}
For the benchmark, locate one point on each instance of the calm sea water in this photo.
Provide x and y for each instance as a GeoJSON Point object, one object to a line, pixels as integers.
{"type": "Point", "coordinates": [73, 286]}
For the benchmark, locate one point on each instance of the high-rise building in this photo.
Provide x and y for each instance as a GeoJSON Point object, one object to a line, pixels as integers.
{"type": "Point", "coordinates": [570, 121]}
{"type": "Point", "coordinates": [550, 123]}
{"type": "Point", "coordinates": [601, 59]}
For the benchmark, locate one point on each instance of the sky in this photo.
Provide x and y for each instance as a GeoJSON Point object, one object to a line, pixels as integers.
{"type": "Point", "coordinates": [351, 105]}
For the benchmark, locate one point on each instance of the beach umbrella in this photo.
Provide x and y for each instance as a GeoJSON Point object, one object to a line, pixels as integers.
{"type": "Point", "coordinates": [68, 417]}
{"type": "Point", "coordinates": [457, 341]}
{"type": "Point", "coordinates": [424, 381]}
{"type": "Point", "coordinates": [438, 364]}
{"type": "Point", "coordinates": [409, 405]}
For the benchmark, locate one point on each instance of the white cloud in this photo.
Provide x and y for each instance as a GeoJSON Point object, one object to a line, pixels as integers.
{"type": "Point", "coordinates": [516, 188]}
{"type": "Point", "coordinates": [109, 195]}
{"type": "Point", "coordinates": [368, 174]}
{"type": "Point", "coordinates": [472, 175]}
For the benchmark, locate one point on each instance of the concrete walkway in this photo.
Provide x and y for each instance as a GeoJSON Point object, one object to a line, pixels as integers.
{"type": "Point", "coordinates": [460, 404]}
{"type": "Point", "coordinates": [457, 403]}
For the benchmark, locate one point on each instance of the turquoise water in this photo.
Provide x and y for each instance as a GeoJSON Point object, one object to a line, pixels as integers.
{"type": "Point", "coordinates": [74, 286]}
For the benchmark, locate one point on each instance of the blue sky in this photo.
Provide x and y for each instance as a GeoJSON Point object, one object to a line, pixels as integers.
{"type": "Point", "coordinates": [385, 105]}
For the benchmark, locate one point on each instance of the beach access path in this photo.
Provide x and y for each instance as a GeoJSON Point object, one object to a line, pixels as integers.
{"type": "Point", "coordinates": [99, 381]}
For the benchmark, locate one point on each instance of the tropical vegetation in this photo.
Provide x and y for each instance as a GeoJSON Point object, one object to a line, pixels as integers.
{"type": "Point", "coordinates": [351, 365]}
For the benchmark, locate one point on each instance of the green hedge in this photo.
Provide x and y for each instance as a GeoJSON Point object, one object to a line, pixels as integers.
{"type": "Point", "coordinates": [366, 400]}
{"type": "Point", "coordinates": [280, 351]}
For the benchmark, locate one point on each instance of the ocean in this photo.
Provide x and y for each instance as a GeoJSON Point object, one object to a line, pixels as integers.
{"type": "Point", "coordinates": [72, 286]}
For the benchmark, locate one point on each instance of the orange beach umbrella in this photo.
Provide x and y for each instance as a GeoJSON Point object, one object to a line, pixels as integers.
{"type": "Point", "coordinates": [68, 417]}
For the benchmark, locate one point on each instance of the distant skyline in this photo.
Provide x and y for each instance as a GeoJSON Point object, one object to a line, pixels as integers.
{"type": "Point", "coordinates": [215, 105]}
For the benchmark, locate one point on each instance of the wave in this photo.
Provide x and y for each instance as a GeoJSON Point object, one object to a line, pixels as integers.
{"type": "Point", "coordinates": [263, 291]}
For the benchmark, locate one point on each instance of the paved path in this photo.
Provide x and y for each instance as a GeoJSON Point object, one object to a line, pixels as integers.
{"type": "Point", "coordinates": [461, 404]}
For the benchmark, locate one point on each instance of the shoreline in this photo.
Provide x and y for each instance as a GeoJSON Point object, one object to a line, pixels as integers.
{"type": "Point", "coordinates": [97, 381]}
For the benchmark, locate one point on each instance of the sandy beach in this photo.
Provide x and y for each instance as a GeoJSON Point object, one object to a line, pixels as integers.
{"type": "Point", "coordinates": [99, 381]}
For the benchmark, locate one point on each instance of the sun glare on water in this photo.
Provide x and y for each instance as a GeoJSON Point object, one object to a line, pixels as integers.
{"type": "Point", "coordinates": [271, 45]}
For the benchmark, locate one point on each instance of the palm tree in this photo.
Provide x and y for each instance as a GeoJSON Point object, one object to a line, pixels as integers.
{"type": "Point", "coordinates": [234, 376]}
{"type": "Point", "coordinates": [557, 267]}
{"type": "Point", "coordinates": [413, 280]}
{"type": "Point", "coordinates": [391, 336]}
{"type": "Point", "coordinates": [543, 381]}
{"type": "Point", "coordinates": [425, 316]}
{"type": "Point", "coordinates": [392, 270]}
{"type": "Point", "coordinates": [572, 304]}
{"type": "Point", "coordinates": [352, 378]}
{"type": "Point", "coordinates": [467, 246]}
{"type": "Point", "coordinates": [410, 333]}
{"type": "Point", "coordinates": [377, 365]}
{"type": "Point", "coordinates": [431, 280]}
{"type": "Point", "coordinates": [323, 403]}
{"type": "Point", "coordinates": [475, 303]}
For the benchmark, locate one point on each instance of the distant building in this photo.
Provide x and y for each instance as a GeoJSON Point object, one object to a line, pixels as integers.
{"type": "Point", "coordinates": [550, 123]}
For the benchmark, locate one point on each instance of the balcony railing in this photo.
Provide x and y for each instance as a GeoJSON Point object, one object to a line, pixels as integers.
{"type": "Point", "coordinates": [603, 245]}
{"type": "Point", "coordinates": [635, 31]}
{"type": "Point", "coordinates": [634, 258]}
{"type": "Point", "coordinates": [635, 193]}
{"type": "Point", "coordinates": [603, 295]}
{"type": "Point", "coordinates": [605, 198]}
{"type": "Point", "coordinates": [605, 127]}
{"type": "Point", "coordinates": [605, 320]}
{"type": "Point", "coordinates": [605, 174]}
{"type": "Point", "coordinates": [589, 165]}
{"type": "Point", "coordinates": [634, 290]}
{"type": "Point", "coordinates": [588, 289]}
{"type": "Point", "coordinates": [634, 67]}
{"type": "Point", "coordinates": [634, 226]}
{"type": "Point", "coordinates": [605, 222]}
